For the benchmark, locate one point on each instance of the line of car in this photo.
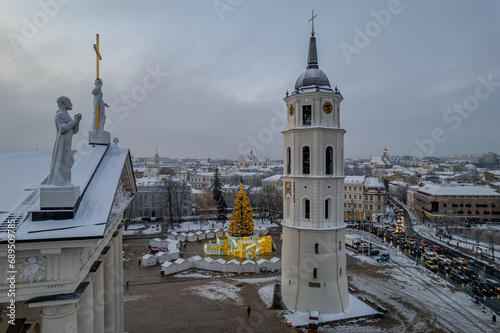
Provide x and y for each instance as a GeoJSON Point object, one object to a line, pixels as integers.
{"type": "Point", "coordinates": [456, 268]}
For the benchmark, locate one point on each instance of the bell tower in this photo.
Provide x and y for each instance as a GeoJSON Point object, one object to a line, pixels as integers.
{"type": "Point", "coordinates": [313, 254]}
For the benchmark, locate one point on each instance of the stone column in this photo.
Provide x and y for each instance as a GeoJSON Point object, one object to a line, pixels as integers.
{"type": "Point", "coordinates": [98, 290]}
{"type": "Point", "coordinates": [118, 287]}
{"type": "Point", "coordinates": [121, 282]}
{"type": "Point", "coordinates": [60, 318]}
{"type": "Point", "coordinates": [109, 288]}
{"type": "Point", "coordinates": [85, 312]}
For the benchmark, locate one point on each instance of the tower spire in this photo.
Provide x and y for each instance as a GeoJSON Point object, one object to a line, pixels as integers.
{"type": "Point", "coordinates": [312, 58]}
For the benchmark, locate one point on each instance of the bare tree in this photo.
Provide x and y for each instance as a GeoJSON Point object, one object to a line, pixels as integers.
{"type": "Point", "coordinates": [270, 202]}
{"type": "Point", "coordinates": [206, 205]}
{"type": "Point", "coordinates": [174, 197]}
{"type": "Point", "coordinates": [446, 222]}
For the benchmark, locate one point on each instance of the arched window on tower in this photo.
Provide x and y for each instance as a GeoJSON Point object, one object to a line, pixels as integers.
{"type": "Point", "coordinates": [327, 209]}
{"type": "Point", "coordinates": [329, 161]}
{"type": "Point", "coordinates": [306, 165]}
{"type": "Point", "coordinates": [307, 209]}
{"type": "Point", "coordinates": [306, 115]}
{"type": "Point", "coordinates": [288, 160]}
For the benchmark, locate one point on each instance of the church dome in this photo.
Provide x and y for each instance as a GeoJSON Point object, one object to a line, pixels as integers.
{"type": "Point", "coordinates": [312, 77]}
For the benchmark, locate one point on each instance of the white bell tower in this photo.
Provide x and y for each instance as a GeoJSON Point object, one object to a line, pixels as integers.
{"type": "Point", "coordinates": [313, 254]}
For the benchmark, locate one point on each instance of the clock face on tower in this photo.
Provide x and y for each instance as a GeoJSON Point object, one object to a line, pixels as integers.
{"type": "Point", "coordinates": [327, 107]}
{"type": "Point", "coordinates": [291, 110]}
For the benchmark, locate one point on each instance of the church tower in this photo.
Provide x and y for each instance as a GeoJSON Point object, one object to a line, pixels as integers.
{"type": "Point", "coordinates": [313, 254]}
{"type": "Point", "coordinates": [157, 160]}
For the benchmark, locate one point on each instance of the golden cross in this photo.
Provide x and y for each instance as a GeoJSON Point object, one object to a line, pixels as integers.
{"type": "Point", "coordinates": [312, 20]}
{"type": "Point", "coordinates": [98, 55]}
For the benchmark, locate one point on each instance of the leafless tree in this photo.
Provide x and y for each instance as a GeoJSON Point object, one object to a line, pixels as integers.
{"type": "Point", "coordinates": [446, 222]}
{"type": "Point", "coordinates": [206, 205]}
{"type": "Point", "coordinates": [478, 232]}
{"type": "Point", "coordinates": [174, 195]}
{"type": "Point", "coordinates": [269, 202]}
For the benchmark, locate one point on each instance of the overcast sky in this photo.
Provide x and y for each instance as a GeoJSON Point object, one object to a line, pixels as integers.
{"type": "Point", "coordinates": [208, 78]}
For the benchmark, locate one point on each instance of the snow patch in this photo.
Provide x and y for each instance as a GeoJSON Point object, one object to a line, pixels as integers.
{"type": "Point", "coordinates": [128, 298]}
{"type": "Point", "coordinates": [266, 294]}
{"type": "Point", "coordinates": [218, 291]}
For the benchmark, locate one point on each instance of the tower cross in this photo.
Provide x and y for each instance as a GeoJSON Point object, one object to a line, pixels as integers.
{"type": "Point", "coordinates": [98, 55]}
{"type": "Point", "coordinates": [312, 20]}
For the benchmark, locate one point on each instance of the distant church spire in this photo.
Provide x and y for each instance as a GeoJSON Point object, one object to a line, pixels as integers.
{"type": "Point", "coordinates": [312, 58]}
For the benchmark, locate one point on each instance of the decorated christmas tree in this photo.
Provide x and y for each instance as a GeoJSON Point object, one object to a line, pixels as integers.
{"type": "Point", "coordinates": [241, 224]}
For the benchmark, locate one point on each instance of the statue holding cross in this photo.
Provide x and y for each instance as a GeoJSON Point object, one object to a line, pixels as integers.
{"type": "Point", "coordinates": [99, 105]}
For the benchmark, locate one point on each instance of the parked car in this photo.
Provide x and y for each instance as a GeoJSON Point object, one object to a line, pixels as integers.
{"type": "Point", "coordinates": [444, 267]}
{"type": "Point", "coordinates": [494, 285]}
{"type": "Point", "coordinates": [459, 276]}
{"type": "Point", "coordinates": [374, 252]}
{"type": "Point", "coordinates": [384, 257]}
{"type": "Point", "coordinates": [481, 288]}
{"type": "Point", "coordinates": [154, 249]}
{"type": "Point", "coordinates": [431, 265]}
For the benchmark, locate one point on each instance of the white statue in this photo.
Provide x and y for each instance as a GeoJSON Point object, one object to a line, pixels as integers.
{"type": "Point", "coordinates": [62, 158]}
{"type": "Point", "coordinates": [99, 106]}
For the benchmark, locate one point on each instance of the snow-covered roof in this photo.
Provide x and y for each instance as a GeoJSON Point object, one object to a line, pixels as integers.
{"type": "Point", "coordinates": [274, 178]}
{"type": "Point", "coordinates": [97, 170]}
{"type": "Point", "coordinates": [147, 181]}
{"type": "Point", "coordinates": [373, 182]}
{"type": "Point", "coordinates": [220, 261]}
{"type": "Point", "coordinates": [354, 180]}
{"type": "Point", "coordinates": [435, 189]}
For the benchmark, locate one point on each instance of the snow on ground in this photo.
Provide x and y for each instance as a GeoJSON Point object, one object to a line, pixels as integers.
{"type": "Point", "coordinates": [218, 291]}
{"type": "Point", "coordinates": [153, 229]}
{"type": "Point", "coordinates": [128, 298]}
{"type": "Point", "coordinates": [133, 229]}
{"type": "Point", "coordinates": [191, 274]}
{"type": "Point", "coordinates": [266, 294]}
{"type": "Point", "coordinates": [410, 289]}
{"type": "Point", "coordinates": [356, 309]}
{"type": "Point", "coordinates": [257, 280]}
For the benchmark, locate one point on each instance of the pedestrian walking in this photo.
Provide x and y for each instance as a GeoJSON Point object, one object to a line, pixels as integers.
{"type": "Point", "coordinates": [494, 318]}
{"type": "Point", "coordinates": [126, 285]}
{"type": "Point", "coordinates": [139, 264]}
{"type": "Point", "coordinates": [248, 311]}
